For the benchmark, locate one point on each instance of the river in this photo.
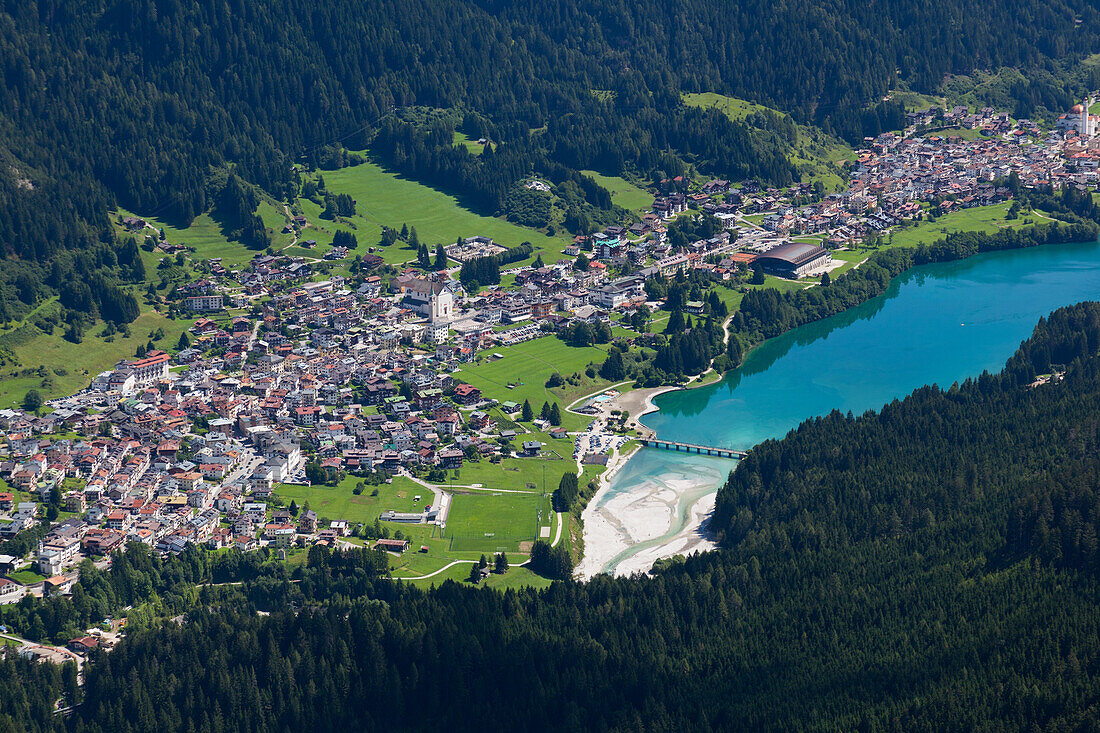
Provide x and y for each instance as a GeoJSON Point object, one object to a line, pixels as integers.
{"type": "Point", "coordinates": [935, 324]}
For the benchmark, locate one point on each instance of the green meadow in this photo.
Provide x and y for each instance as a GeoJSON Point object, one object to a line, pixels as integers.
{"type": "Point", "coordinates": [522, 372]}
{"type": "Point", "coordinates": [818, 156]}
{"type": "Point", "coordinates": [385, 198]}
{"type": "Point", "coordinates": [623, 192]}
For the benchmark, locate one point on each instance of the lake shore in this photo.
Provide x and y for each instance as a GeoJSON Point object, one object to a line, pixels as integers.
{"type": "Point", "coordinates": [1022, 284]}
{"type": "Point", "coordinates": [634, 518]}
{"type": "Point", "coordinates": [599, 545]}
{"type": "Point", "coordinates": [662, 513]}
{"type": "Point", "coordinates": [694, 537]}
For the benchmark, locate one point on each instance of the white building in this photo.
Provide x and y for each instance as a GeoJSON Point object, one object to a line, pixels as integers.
{"type": "Point", "coordinates": [10, 591]}
{"type": "Point", "coordinates": [57, 554]}
{"type": "Point", "coordinates": [205, 303]}
{"type": "Point", "coordinates": [438, 331]}
{"type": "Point", "coordinates": [153, 368]}
{"type": "Point", "coordinates": [1080, 121]}
{"type": "Point", "coordinates": [429, 299]}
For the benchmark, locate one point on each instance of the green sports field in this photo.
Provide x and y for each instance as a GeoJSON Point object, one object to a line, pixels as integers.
{"type": "Point", "coordinates": [340, 502]}
{"type": "Point", "coordinates": [516, 473]}
{"type": "Point", "coordinates": [484, 522]}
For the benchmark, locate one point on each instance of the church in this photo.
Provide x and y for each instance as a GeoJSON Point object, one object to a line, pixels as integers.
{"type": "Point", "coordinates": [1080, 121]}
{"type": "Point", "coordinates": [431, 299]}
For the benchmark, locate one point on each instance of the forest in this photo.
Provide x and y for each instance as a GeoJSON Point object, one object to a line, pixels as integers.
{"type": "Point", "coordinates": [932, 565]}
{"type": "Point", "coordinates": [151, 104]}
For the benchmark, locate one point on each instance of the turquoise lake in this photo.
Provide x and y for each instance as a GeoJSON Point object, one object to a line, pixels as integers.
{"type": "Point", "coordinates": [935, 324]}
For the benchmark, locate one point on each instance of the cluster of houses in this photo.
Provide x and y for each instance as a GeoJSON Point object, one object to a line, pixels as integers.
{"type": "Point", "coordinates": [896, 173]}
{"type": "Point", "coordinates": [357, 376]}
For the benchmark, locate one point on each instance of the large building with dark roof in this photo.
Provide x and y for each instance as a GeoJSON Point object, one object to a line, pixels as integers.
{"type": "Point", "coordinates": [793, 260]}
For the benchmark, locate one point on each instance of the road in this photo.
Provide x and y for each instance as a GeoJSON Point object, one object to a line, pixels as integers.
{"type": "Point", "coordinates": [56, 649]}
{"type": "Point", "coordinates": [437, 572]}
{"type": "Point", "coordinates": [451, 565]}
{"type": "Point", "coordinates": [557, 533]}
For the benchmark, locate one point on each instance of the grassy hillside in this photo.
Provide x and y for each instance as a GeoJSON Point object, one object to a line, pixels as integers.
{"type": "Point", "coordinates": [56, 367]}
{"type": "Point", "coordinates": [623, 192]}
{"type": "Point", "coordinates": [818, 156]}
{"type": "Point", "coordinates": [384, 198]}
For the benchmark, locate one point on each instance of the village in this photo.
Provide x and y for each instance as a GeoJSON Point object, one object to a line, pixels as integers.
{"type": "Point", "coordinates": [288, 377]}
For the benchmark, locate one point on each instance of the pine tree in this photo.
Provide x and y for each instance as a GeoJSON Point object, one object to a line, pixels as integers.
{"type": "Point", "coordinates": [544, 413]}
{"type": "Point", "coordinates": [555, 415]}
{"type": "Point", "coordinates": [440, 257]}
{"type": "Point", "coordinates": [613, 369]}
{"type": "Point", "coordinates": [422, 257]}
{"type": "Point", "coordinates": [675, 322]}
{"type": "Point", "coordinates": [528, 414]}
{"type": "Point", "coordinates": [566, 494]}
{"type": "Point", "coordinates": [734, 351]}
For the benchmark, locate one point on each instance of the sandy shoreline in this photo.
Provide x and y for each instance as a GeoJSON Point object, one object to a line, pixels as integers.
{"type": "Point", "coordinates": [644, 517]}
{"type": "Point", "coordinates": [639, 402]}
{"type": "Point", "coordinates": [692, 538]}
{"type": "Point", "coordinates": [599, 534]}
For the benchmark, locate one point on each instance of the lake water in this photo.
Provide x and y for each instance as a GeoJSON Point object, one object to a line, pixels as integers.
{"type": "Point", "coordinates": [935, 324]}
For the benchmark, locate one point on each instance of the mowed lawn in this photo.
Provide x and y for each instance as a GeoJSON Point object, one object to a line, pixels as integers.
{"type": "Point", "coordinates": [385, 198]}
{"type": "Point", "coordinates": [516, 577]}
{"type": "Point", "coordinates": [340, 502]}
{"type": "Point", "coordinates": [480, 521]}
{"type": "Point", "coordinates": [516, 473]}
{"type": "Point", "coordinates": [523, 372]}
{"type": "Point", "coordinates": [623, 192]}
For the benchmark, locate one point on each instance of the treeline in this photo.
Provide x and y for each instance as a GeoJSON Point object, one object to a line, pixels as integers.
{"type": "Point", "coordinates": [528, 207]}
{"type": "Point", "coordinates": [767, 312]}
{"type": "Point", "coordinates": [484, 271]}
{"type": "Point", "coordinates": [941, 445]}
{"type": "Point", "coordinates": [690, 351]}
{"type": "Point", "coordinates": [134, 102]}
{"type": "Point", "coordinates": [138, 576]}
{"type": "Point", "coordinates": [885, 572]}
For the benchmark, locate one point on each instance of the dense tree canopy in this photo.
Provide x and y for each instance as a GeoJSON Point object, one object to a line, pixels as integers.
{"type": "Point", "coordinates": [149, 103]}
{"type": "Point", "coordinates": [929, 566]}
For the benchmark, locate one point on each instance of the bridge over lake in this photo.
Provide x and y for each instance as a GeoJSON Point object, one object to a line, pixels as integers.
{"type": "Point", "coordinates": [705, 450]}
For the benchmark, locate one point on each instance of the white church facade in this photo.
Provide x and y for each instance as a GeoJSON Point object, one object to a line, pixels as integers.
{"type": "Point", "coordinates": [1080, 121]}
